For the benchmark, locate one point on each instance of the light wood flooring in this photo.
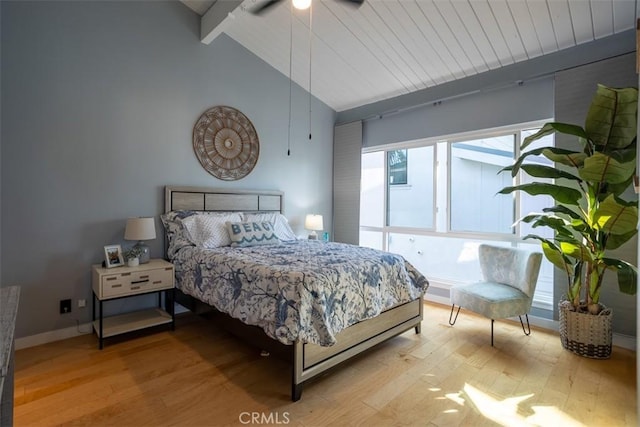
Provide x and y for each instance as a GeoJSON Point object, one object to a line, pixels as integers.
{"type": "Point", "coordinates": [446, 376]}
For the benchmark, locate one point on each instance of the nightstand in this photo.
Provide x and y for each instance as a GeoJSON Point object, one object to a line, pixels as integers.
{"type": "Point", "coordinates": [109, 284]}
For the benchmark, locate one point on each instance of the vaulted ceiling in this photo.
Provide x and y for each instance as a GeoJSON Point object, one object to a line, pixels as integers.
{"type": "Point", "coordinates": [388, 48]}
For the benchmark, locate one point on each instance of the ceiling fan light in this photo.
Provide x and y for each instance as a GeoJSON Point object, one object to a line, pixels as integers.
{"type": "Point", "coordinates": [301, 4]}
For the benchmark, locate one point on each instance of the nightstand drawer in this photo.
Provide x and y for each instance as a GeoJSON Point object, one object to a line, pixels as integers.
{"type": "Point", "coordinates": [131, 283]}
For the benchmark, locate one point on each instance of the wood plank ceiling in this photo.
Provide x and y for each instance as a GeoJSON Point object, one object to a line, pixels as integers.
{"type": "Point", "coordinates": [387, 48]}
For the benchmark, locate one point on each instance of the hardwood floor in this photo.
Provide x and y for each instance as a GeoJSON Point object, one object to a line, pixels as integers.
{"type": "Point", "coordinates": [446, 376]}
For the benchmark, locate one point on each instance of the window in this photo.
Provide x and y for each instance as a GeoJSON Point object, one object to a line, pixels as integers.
{"type": "Point", "coordinates": [412, 205]}
{"type": "Point", "coordinates": [449, 204]}
{"type": "Point", "coordinates": [474, 167]}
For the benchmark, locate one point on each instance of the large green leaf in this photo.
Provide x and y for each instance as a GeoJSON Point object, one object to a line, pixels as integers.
{"type": "Point", "coordinates": [616, 216]}
{"type": "Point", "coordinates": [552, 253]}
{"type": "Point", "coordinates": [618, 189]}
{"type": "Point", "coordinates": [560, 155]}
{"type": "Point", "coordinates": [614, 241]}
{"type": "Point", "coordinates": [612, 118]}
{"type": "Point", "coordinates": [514, 168]}
{"type": "Point", "coordinates": [563, 210]}
{"type": "Point", "coordinates": [552, 127]}
{"type": "Point", "coordinates": [575, 250]}
{"type": "Point", "coordinates": [602, 168]}
{"type": "Point", "coordinates": [545, 220]}
{"type": "Point", "coordinates": [566, 157]}
{"type": "Point", "coordinates": [627, 275]}
{"type": "Point", "coordinates": [542, 171]}
{"type": "Point", "coordinates": [558, 192]}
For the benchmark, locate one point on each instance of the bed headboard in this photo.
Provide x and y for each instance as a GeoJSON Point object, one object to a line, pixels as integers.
{"type": "Point", "coordinates": [217, 199]}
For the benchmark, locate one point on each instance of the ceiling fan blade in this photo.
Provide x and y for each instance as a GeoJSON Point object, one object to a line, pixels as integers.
{"type": "Point", "coordinates": [354, 3]}
{"type": "Point", "coordinates": [260, 9]}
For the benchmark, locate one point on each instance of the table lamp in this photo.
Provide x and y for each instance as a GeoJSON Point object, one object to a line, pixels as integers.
{"type": "Point", "coordinates": [140, 229]}
{"type": "Point", "coordinates": [314, 223]}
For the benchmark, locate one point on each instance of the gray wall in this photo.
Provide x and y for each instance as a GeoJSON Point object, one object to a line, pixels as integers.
{"type": "Point", "coordinates": [574, 90]}
{"type": "Point", "coordinates": [98, 101]}
{"type": "Point", "coordinates": [0, 147]}
{"type": "Point", "coordinates": [503, 106]}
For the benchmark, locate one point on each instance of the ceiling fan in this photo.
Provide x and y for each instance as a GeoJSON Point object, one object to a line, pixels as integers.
{"type": "Point", "coordinates": [298, 4]}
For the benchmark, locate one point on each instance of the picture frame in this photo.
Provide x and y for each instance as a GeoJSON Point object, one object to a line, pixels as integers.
{"type": "Point", "coordinates": [113, 256]}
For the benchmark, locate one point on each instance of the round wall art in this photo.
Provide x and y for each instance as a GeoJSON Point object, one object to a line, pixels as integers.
{"type": "Point", "coordinates": [226, 143]}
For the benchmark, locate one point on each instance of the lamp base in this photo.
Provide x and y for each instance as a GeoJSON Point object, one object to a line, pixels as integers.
{"type": "Point", "coordinates": [313, 236]}
{"type": "Point", "coordinates": [144, 252]}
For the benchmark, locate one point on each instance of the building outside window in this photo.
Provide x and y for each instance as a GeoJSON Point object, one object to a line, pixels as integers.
{"type": "Point", "coordinates": [449, 204]}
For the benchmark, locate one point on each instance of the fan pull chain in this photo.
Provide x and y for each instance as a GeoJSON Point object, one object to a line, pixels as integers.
{"type": "Point", "coordinates": [290, 68]}
{"type": "Point", "coordinates": [310, 52]}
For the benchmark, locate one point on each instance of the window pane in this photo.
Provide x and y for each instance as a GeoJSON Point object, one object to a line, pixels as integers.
{"type": "Point", "coordinates": [411, 205]}
{"type": "Point", "coordinates": [397, 167]}
{"type": "Point", "coordinates": [371, 239]}
{"type": "Point", "coordinates": [447, 259]}
{"type": "Point", "coordinates": [473, 172]}
{"type": "Point", "coordinates": [372, 189]}
{"type": "Point", "coordinates": [455, 260]}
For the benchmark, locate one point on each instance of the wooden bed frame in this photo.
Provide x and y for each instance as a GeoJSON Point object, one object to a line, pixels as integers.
{"type": "Point", "coordinates": [309, 360]}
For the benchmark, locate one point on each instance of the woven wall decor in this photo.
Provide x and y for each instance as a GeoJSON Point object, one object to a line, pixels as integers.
{"type": "Point", "coordinates": [226, 143]}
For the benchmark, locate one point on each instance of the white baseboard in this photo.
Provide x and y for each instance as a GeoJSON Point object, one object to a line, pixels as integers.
{"type": "Point", "coordinates": [624, 341]}
{"type": "Point", "coordinates": [56, 335]}
{"type": "Point", "coordinates": [63, 334]}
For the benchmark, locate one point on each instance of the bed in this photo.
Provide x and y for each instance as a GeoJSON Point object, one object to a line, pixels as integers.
{"type": "Point", "coordinates": [316, 303]}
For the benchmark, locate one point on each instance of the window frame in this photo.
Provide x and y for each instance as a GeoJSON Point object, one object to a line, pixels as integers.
{"type": "Point", "coordinates": [545, 301]}
{"type": "Point", "coordinates": [515, 181]}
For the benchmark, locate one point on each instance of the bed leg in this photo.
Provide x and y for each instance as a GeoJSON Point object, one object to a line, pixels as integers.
{"type": "Point", "coordinates": [296, 392]}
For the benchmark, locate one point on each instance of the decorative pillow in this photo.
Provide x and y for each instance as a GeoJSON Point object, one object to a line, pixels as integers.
{"type": "Point", "coordinates": [177, 235]}
{"type": "Point", "coordinates": [281, 225]}
{"type": "Point", "coordinates": [252, 233]}
{"type": "Point", "coordinates": [208, 230]}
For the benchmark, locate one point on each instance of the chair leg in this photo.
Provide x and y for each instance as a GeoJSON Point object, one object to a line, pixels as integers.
{"type": "Point", "coordinates": [451, 315]}
{"type": "Point", "coordinates": [527, 332]}
{"type": "Point", "coordinates": [491, 332]}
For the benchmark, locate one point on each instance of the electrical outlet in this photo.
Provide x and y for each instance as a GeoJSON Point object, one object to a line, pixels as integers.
{"type": "Point", "coordinates": [82, 303]}
{"type": "Point", "coordinates": [65, 306]}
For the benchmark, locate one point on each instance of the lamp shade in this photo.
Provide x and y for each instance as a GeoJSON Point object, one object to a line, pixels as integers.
{"type": "Point", "coordinates": [313, 222]}
{"type": "Point", "coordinates": [142, 228]}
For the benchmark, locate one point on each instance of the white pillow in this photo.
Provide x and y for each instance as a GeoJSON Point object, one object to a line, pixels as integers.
{"type": "Point", "coordinates": [281, 225]}
{"type": "Point", "coordinates": [243, 234]}
{"type": "Point", "coordinates": [209, 230]}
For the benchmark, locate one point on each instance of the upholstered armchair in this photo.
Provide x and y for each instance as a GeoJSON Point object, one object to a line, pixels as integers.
{"type": "Point", "coordinates": [510, 277]}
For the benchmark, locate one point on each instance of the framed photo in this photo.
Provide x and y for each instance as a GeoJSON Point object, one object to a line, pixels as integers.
{"type": "Point", "coordinates": [113, 256]}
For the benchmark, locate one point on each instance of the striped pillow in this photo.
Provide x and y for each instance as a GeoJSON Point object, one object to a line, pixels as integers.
{"type": "Point", "coordinates": [253, 233]}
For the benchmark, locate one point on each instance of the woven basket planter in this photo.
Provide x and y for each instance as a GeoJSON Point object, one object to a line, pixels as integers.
{"type": "Point", "coordinates": [586, 334]}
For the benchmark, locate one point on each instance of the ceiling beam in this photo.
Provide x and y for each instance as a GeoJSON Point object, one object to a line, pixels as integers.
{"type": "Point", "coordinates": [214, 21]}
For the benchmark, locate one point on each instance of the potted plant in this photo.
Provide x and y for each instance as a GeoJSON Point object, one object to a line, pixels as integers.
{"type": "Point", "coordinates": [132, 256]}
{"type": "Point", "coordinates": [590, 216]}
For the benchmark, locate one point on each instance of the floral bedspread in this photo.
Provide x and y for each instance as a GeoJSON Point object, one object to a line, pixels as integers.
{"type": "Point", "coordinates": [301, 290]}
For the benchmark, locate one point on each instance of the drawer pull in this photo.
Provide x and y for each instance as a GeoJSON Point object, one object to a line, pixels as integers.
{"type": "Point", "coordinates": [117, 286]}
{"type": "Point", "coordinates": [133, 282]}
{"type": "Point", "coordinates": [126, 274]}
{"type": "Point", "coordinates": [169, 268]}
{"type": "Point", "coordinates": [133, 288]}
{"type": "Point", "coordinates": [157, 282]}
{"type": "Point", "coordinates": [111, 278]}
{"type": "Point", "coordinates": [145, 277]}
